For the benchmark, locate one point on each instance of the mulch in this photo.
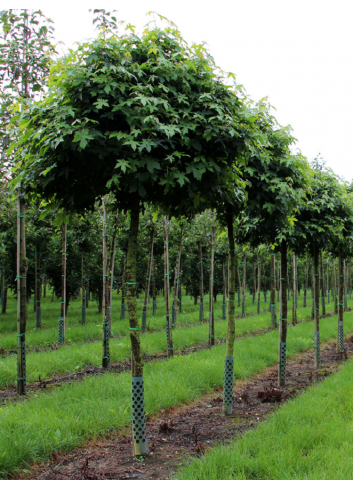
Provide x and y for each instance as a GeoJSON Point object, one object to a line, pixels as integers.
{"type": "Point", "coordinates": [177, 434]}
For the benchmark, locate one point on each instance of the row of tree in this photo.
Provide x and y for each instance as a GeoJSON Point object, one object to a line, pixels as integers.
{"type": "Point", "coordinates": [139, 122]}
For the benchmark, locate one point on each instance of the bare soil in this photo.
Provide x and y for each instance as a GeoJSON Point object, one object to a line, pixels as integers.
{"type": "Point", "coordinates": [176, 435]}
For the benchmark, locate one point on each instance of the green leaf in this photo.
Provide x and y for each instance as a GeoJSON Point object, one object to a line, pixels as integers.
{"type": "Point", "coordinates": [83, 137]}
{"type": "Point", "coordinates": [101, 103]}
{"type": "Point", "coordinates": [153, 165]}
{"type": "Point", "coordinates": [123, 165]}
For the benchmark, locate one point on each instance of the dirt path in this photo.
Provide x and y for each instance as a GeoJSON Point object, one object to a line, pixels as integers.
{"type": "Point", "coordinates": [191, 430]}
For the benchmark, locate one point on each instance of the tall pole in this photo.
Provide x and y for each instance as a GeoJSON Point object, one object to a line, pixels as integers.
{"type": "Point", "coordinates": [340, 337]}
{"type": "Point", "coordinates": [83, 286]}
{"type": "Point", "coordinates": [283, 318]}
{"type": "Point", "coordinates": [38, 286]}
{"type": "Point", "coordinates": [22, 267]}
{"type": "Point", "coordinates": [273, 291]}
{"type": "Point", "coordinates": [168, 324]}
{"type": "Point", "coordinates": [294, 311]}
{"type": "Point", "coordinates": [211, 318]}
{"type": "Point", "coordinates": [148, 282]}
{"type": "Point", "coordinates": [177, 282]}
{"type": "Point", "coordinates": [106, 332]}
{"type": "Point", "coordinates": [258, 283]}
{"type": "Point", "coordinates": [63, 285]}
{"type": "Point", "coordinates": [316, 309]}
{"type": "Point", "coordinates": [201, 283]}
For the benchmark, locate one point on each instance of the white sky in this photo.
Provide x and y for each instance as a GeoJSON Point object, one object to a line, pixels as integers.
{"type": "Point", "coordinates": [297, 53]}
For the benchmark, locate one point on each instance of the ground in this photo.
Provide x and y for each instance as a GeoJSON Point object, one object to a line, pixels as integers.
{"type": "Point", "coordinates": [189, 431]}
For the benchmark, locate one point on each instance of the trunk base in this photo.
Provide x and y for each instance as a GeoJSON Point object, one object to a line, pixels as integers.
{"type": "Point", "coordinates": [282, 365]}
{"type": "Point", "coordinates": [138, 417]}
{"type": "Point", "coordinates": [228, 385]}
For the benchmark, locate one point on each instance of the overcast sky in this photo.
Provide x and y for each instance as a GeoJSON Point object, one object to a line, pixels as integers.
{"type": "Point", "coordinates": [298, 54]}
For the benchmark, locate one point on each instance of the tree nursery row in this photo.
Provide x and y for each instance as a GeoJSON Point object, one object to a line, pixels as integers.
{"type": "Point", "coordinates": [141, 189]}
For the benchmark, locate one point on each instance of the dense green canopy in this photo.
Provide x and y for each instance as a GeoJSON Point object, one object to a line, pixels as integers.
{"type": "Point", "coordinates": [149, 118]}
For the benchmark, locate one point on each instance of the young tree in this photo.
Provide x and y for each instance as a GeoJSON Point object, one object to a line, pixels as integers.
{"type": "Point", "coordinates": [159, 105]}
{"type": "Point", "coordinates": [320, 223]}
{"type": "Point", "coordinates": [25, 51]}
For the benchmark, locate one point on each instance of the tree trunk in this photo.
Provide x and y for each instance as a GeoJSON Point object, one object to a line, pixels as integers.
{"type": "Point", "coordinates": [87, 294]}
{"type": "Point", "coordinates": [239, 282]}
{"type": "Point", "coordinates": [273, 291]}
{"type": "Point", "coordinates": [334, 287]}
{"type": "Point", "coordinates": [106, 332]}
{"type": "Point", "coordinates": [38, 289]}
{"type": "Point", "coordinates": [201, 284]}
{"type": "Point", "coordinates": [154, 290]}
{"type": "Point", "coordinates": [323, 294]}
{"type": "Point", "coordinates": [22, 267]}
{"type": "Point", "coordinates": [229, 360]}
{"type": "Point", "coordinates": [111, 266]}
{"type": "Point", "coordinates": [148, 281]}
{"type": "Point", "coordinates": [244, 284]}
{"type": "Point", "coordinates": [294, 309]}
{"type": "Point", "coordinates": [3, 293]}
{"type": "Point", "coordinates": [306, 281]}
{"type": "Point", "coordinates": [123, 292]}
{"type": "Point", "coordinates": [138, 402]}
{"type": "Point", "coordinates": [167, 291]}
{"type": "Point", "coordinates": [316, 309]}
{"type": "Point", "coordinates": [180, 291]}
{"type": "Point", "coordinates": [283, 318]}
{"type": "Point", "coordinates": [224, 306]}
{"type": "Point", "coordinates": [63, 286]}
{"type": "Point", "coordinates": [211, 319]}
{"type": "Point", "coordinates": [176, 283]}
{"type": "Point", "coordinates": [345, 285]}
{"type": "Point", "coordinates": [279, 281]}
{"type": "Point", "coordinates": [340, 336]}
{"type": "Point", "coordinates": [83, 285]}
{"type": "Point", "coordinates": [258, 283]}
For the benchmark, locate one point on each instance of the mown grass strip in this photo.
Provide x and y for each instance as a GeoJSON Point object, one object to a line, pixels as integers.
{"type": "Point", "coordinates": [77, 333]}
{"type": "Point", "coordinates": [92, 330]}
{"type": "Point", "coordinates": [68, 416]}
{"type": "Point", "coordinates": [311, 437]}
{"type": "Point", "coordinates": [76, 357]}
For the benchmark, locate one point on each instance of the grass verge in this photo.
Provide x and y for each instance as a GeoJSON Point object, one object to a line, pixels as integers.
{"type": "Point", "coordinates": [73, 358]}
{"type": "Point", "coordinates": [311, 437]}
{"type": "Point", "coordinates": [70, 415]}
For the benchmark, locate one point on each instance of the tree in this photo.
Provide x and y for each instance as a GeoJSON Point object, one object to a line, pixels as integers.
{"type": "Point", "coordinates": [24, 55]}
{"type": "Point", "coordinates": [324, 220]}
{"type": "Point", "coordinates": [149, 118]}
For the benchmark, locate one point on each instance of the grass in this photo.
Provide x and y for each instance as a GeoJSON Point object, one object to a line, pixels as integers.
{"type": "Point", "coordinates": [311, 437]}
{"type": "Point", "coordinates": [75, 357]}
{"type": "Point", "coordinates": [68, 416]}
{"type": "Point", "coordinates": [78, 333]}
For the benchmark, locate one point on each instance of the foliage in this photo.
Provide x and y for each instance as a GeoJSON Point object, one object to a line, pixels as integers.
{"type": "Point", "coordinates": [325, 221]}
{"type": "Point", "coordinates": [158, 104]}
{"type": "Point", "coordinates": [25, 52]}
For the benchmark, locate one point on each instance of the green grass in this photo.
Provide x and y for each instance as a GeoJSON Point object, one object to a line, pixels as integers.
{"type": "Point", "coordinates": [77, 333]}
{"type": "Point", "coordinates": [69, 415]}
{"type": "Point", "coordinates": [73, 358]}
{"type": "Point", "coordinates": [311, 437]}
{"type": "Point", "coordinates": [76, 356]}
